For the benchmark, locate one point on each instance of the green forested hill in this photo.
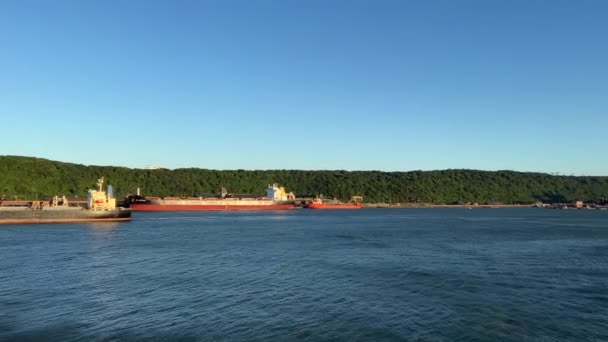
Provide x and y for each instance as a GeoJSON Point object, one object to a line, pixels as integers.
{"type": "Point", "coordinates": [31, 178]}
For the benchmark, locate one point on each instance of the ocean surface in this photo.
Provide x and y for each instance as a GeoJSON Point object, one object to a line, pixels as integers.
{"type": "Point", "coordinates": [304, 275]}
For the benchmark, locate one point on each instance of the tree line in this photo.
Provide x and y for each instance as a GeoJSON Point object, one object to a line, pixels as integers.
{"type": "Point", "coordinates": [36, 178]}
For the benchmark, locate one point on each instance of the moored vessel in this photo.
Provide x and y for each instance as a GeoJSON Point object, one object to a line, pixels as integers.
{"type": "Point", "coordinates": [276, 199]}
{"type": "Point", "coordinates": [100, 207]}
{"type": "Point", "coordinates": [318, 203]}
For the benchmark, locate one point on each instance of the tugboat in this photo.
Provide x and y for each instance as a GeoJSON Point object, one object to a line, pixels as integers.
{"type": "Point", "coordinates": [318, 203]}
{"type": "Point", "coordinates": [100, 207]}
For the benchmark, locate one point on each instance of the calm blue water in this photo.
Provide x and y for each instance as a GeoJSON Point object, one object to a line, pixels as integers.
{"type": "Point", "coordinates": [367, 275]}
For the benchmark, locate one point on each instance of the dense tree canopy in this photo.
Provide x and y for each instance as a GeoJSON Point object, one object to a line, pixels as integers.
{"type": "Point", "coordinates": [30, 178]}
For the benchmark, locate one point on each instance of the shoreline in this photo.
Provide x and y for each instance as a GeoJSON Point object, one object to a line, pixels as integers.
{"type": "Point", "coordinates": [471, 206]}
{"type": "Point", "coordinates": [462, 206]}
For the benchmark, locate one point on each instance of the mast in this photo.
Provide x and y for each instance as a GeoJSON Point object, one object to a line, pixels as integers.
{"type": "Point", "coordinates": [100, 183]}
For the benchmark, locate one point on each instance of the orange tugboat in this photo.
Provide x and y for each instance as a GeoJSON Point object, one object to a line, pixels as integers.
{"type": "Point", "coordinates": [355, 203]}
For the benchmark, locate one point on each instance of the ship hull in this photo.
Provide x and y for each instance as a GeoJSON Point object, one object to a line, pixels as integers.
{"type": "Point", "coordinates": [208, 207]}
{"type": "Point", "coordinates": [29, 216]}
{"type": "Point", "coordinates": [333, 206]}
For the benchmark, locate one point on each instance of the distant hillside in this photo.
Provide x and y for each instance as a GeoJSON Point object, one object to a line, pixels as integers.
{"type": "Point", "coordinates": [30, 178]}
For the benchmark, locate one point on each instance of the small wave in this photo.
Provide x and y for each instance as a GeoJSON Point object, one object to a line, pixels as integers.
{"type": "Point", "coordinates": [476, 219]}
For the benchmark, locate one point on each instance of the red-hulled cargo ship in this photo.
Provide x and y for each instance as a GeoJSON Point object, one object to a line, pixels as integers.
{"type": "Point", "coordinates": [318, 203]}
{"type": "Point", "coordinates": [276, 199]}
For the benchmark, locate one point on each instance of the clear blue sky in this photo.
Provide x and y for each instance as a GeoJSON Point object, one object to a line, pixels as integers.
{"type": "Point", "coordinates": [382, 85]}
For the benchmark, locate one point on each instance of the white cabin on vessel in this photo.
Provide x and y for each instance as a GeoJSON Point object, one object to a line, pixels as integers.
{"type": "Point", "coordinates": [99, 200]}
{"type": "Point", "coordinates": [277, 193]}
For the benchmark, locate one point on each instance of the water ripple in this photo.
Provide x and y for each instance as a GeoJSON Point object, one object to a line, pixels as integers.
{"type": "Point", "coordinates": [369, 275]}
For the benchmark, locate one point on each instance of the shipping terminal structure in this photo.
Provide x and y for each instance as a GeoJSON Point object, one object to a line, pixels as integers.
{"type": "Point", "coordinates": [100, 207]}
{"type": "Point", "coordinates": [276, 199]}
{"type": "Point", "coordinates": [318, 203]}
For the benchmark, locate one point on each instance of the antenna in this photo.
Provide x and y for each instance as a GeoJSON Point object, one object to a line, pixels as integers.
{"type": "Point", "coordinates": [100, 183]}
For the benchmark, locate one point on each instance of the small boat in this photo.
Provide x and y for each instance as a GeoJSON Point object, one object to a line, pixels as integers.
{"type": "Point", "coordinates": [318, 203]}
{"type": "Point", "coordinates": [100, 207]}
